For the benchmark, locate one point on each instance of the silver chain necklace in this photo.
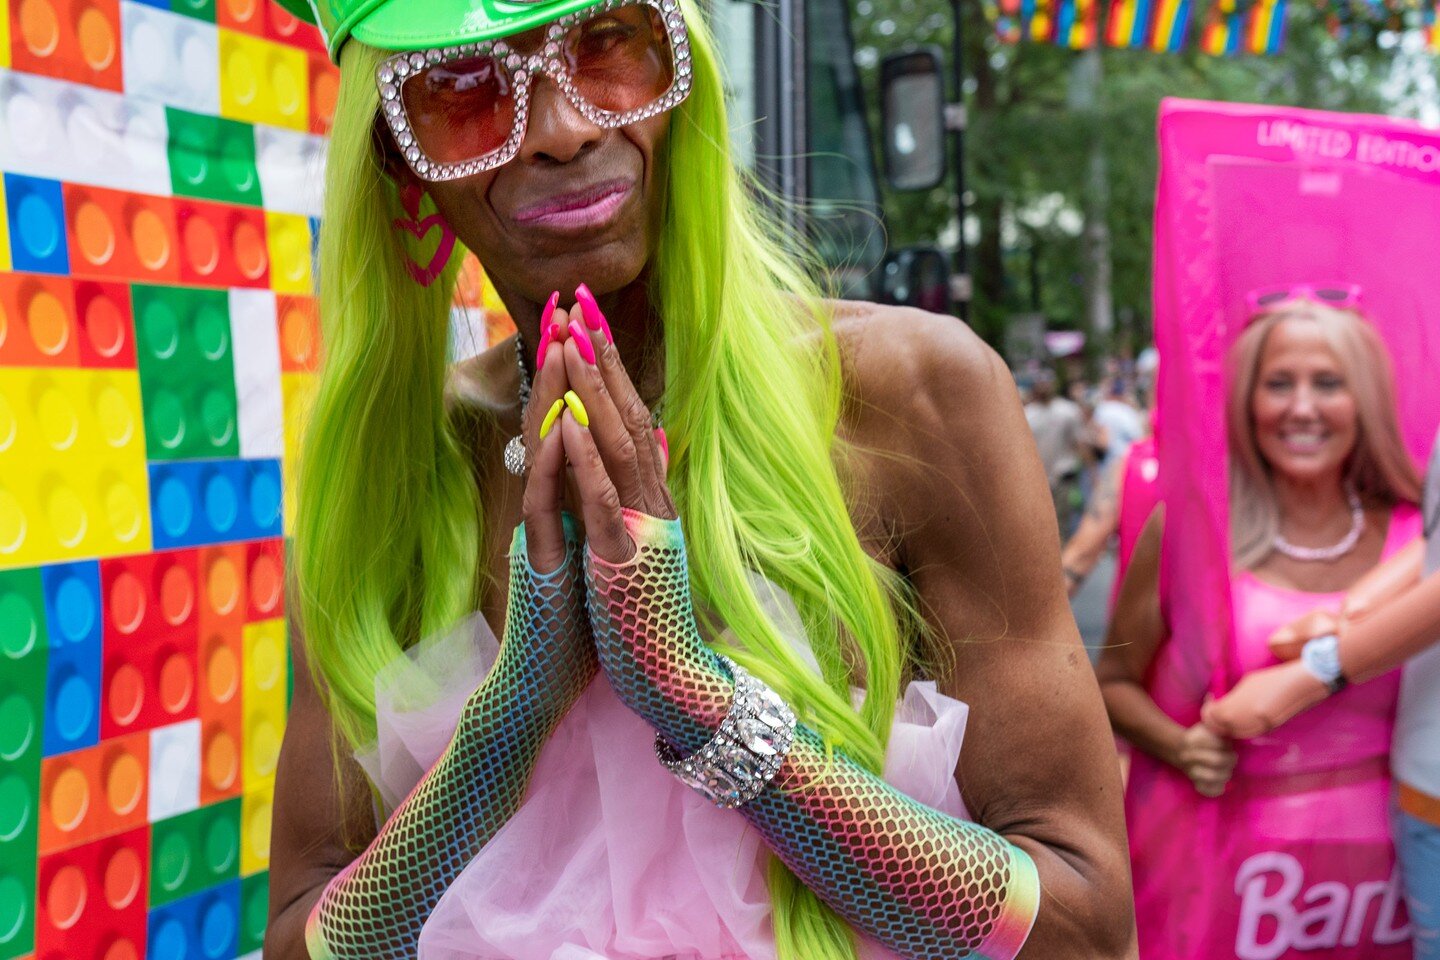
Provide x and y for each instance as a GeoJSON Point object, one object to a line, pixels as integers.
{"type": "Point", "coordinates": [1334, 551]}
{"type": "Point", "coordinates": [517, 457]}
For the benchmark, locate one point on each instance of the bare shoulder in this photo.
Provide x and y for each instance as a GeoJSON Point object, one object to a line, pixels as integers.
{"type": "Point", "coordinates": [910, 373]}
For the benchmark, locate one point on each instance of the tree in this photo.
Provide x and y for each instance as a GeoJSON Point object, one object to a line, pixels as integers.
{"type": "Point", "coordinates": [1028, 144]}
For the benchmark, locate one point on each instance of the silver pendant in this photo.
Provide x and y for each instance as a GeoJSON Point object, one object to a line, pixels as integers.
{"type": "Point", "coordinates": [517, 458]}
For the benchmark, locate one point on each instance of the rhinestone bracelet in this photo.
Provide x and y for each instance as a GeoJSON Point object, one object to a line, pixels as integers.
{"type": "Point", "coordinates": [745, 753]}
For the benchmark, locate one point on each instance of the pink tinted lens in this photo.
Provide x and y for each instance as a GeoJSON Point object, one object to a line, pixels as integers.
{"type": "Point", "coordinates": [620, 60]}
{"type": "Point", "coordinates": [460, 110]}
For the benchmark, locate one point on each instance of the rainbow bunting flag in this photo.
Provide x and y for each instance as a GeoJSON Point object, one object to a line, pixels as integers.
{"type": "Point", "coordinates": [1032, 20]}
{"type": "Point", "coordinates": [1224, 26]}
{"type": "Point", "coordinates": [1129, 24]}
{"type": "Point", "coordinates": [1265, 31]}
{"type": "Point", "coordinates": [1172, 22]}
{"type": "Point", "coordinates": [1077, 24]}
{"type": "Point", "coordinates": [1430, 18]}
{"type": "Point", "coordinates": [1007, 21]}
{"type": "Point", "coordinates": [1037, 20]}
{"type": "Point", "coordinates": [1233, 27]}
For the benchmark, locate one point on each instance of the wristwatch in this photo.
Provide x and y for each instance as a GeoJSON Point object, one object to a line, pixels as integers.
{"type": "Point", "coordinates": [1321, 656]}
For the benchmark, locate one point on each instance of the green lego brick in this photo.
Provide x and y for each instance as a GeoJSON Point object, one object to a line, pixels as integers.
{"type": "Point", "coordinates": [187, 372]}
{"type": "Point", "coordinates": [254, 911]}
{"type": "Point", "coordinates": [23, 655]}
{"type": "Point", "coordinates": [199, 9]}
{"type": "Point", "coordinates": [194, 851]}
{"type": "Point", "coordinates": [17, 909]}
{"type": "Point", "coordinates": [212, 157]}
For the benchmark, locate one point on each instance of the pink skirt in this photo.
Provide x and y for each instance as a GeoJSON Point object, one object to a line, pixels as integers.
{"type": "Point", "coordinates": [610, 857]}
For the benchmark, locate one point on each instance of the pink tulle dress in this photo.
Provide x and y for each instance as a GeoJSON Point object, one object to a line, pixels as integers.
{"type": "Point", "coordinates": [610, 857]}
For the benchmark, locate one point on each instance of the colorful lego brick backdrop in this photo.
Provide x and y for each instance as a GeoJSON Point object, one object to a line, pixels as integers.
{"type": "Point", "coordinates": [160, 166]}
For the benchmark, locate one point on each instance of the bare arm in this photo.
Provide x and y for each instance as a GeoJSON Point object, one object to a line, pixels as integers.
{"type": "Point", "coordinates": [318, 823]}
{"type": "Point", "coordinates": [1394, 633]}
{"type": "Point", "coordinates": [1136, 632]}
{"type": "Point", "coordinates": [1085, 547]}
{"type": "Point", "coordinates": [980, 544]}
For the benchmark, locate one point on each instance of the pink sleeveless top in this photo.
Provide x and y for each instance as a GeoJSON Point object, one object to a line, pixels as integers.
{"type": "Point", "coordinates": [1351, 727]}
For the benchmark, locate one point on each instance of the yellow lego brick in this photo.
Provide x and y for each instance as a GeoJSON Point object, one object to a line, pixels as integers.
{"type": "Point", "coordinates": [73, 481]}
{"type": "Point", "coordinates": [255, 808]}
{"type": "Point", "coordinates": [264, 82]}
{"type": "Point", "coordinates": [4, 62]}
{"type": "Point", "coordinates": [288, 238]}
{"type": "Point", "coordinates": [263, 671]}
{"type": "Point", "coordinates": [296, 391]}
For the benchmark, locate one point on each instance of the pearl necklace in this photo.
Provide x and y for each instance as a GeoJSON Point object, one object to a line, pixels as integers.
{"type": "Point", "coordinates": [1335, 551]}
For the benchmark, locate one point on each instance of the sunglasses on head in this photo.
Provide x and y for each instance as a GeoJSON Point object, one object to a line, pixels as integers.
{"type": "Point", "coordinates": [457, 111]}
{"type": "Point", "coordinates": [1341, 296]}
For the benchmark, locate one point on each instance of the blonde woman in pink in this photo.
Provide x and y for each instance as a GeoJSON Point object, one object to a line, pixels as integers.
{"type": "Point", "coordinates": [1321, 490]}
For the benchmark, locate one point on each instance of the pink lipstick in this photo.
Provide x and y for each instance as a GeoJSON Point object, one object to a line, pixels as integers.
{"type": "Point", "coordinates": [580, 210]}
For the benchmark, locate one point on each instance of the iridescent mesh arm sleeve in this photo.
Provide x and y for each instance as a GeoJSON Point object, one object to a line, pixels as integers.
{"type": "Point", "coordinates": [376, 906]}
{"type": "Point", "coordinates": [921, 882]}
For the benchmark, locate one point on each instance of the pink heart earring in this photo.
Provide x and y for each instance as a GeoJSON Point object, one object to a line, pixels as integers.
{"type": "Point", "coordinates": [410, 197]}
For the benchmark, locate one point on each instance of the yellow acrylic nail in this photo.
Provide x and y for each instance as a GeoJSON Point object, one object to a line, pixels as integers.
{"type": "Point", "coordinates": [550, 417]}
{"type": "Point", "coordinates": [572, 400]}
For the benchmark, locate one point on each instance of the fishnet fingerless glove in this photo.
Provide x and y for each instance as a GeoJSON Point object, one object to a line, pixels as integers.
{"type": "Point", "coordinates": [923, 883]}
{"type": "Point", "coordinates": [377, 905]}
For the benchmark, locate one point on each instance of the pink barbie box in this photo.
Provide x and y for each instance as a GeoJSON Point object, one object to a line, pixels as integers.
{"type": "Point", "coordinates": [1254, 198]}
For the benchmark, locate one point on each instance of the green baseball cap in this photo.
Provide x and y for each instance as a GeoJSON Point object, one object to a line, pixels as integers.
{"type": "Point", "coordinates": [420, 24]}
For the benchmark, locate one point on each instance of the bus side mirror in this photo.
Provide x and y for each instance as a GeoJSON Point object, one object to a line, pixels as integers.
{"type": "Point", "coordinates": [912, 118]}
{"type": "Point", "coordinates": [917, 277]}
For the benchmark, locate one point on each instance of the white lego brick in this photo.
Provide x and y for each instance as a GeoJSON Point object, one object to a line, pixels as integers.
{"type": "Point", "coordinates": [170, 58]}
{"type": "Point", "coordinates": [174, 769]}
{"type": "Point", "coordinates": [256, 339]}
{"type": "Point", "coordinates": [292, 169]}
{"type": "Point", "coordinates": [67, 131]}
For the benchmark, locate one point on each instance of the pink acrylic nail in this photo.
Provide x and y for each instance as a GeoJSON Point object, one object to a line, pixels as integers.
{"type": "Point", "coordinates": [590, 312]}
{"type": "Point", "coordinates": [586, 348]}
{"type": "Point", "coordinates": [664, 444]}
{"type": "Point", "coordinates": [549, 310]}
{"type": "Point", "coordinates": [547, 328]}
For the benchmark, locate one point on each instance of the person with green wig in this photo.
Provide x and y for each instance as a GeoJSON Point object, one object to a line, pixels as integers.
{"type": "Point", "coordinates": [654, 631]}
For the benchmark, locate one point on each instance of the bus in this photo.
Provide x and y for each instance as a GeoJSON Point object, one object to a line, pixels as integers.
{"type": "Point", "coordinates": [800, 124]}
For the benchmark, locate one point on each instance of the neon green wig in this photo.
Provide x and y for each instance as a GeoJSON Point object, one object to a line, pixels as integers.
{"type": "Point", "coordinates": [390, 521]}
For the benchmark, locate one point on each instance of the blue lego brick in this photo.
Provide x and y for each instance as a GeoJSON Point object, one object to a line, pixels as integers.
{"type": "Point", "coordinates": [201, 502]}
{"type": "Point", "coordinates": [36, 212]}
{"type": "Point", "coordinates": [202, 926]}
{"type": "Point", "coordinates": [72, 679]}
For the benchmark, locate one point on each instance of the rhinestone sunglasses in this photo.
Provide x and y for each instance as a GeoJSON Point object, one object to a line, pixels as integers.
{"type": "Point", "coordinates": [457, 111]}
